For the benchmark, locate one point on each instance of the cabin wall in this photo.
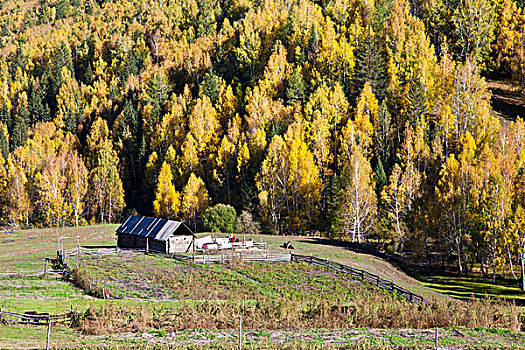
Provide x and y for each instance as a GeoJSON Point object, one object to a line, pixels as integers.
{"type": "Point", "coordinates": [175, 244]}
{"type": "Point", "coordinates": [125, 240]}
{"type": "Point", "coordinates": [180, 244]}
{"type": "Point", "coordinates": [140, 242]}
{"type": "Point", "coordinates": [157, 246]}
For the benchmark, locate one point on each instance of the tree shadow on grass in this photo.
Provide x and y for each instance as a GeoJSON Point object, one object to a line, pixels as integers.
{"type": "Point", "coordinates": [361, 249]}
{"type": "Point", "coordinates": [436, 278]}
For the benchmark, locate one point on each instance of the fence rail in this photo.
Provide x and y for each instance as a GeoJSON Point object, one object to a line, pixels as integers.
{"type": "Point", "coordinates": [90, 251]}
{"type": "Point", "coordinates": [362, 274]}
{"type": "Point", "coordinates": [28, 273]}
{"type": "Point", "coordinates": [33, 317]}
{"type": "Point", "coordinates": [233, 256]}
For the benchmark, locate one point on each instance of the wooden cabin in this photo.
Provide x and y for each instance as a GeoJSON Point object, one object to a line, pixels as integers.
{"type": "Point", "coordinates": [155, 235]}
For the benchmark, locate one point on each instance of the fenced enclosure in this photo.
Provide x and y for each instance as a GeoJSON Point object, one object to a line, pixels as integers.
{"type": "Point", "coordinates": [361, 274]}
{"type": "Point", "coordinates": [233, 256]}
{"type": "Point", "coordinates": [32, 317]}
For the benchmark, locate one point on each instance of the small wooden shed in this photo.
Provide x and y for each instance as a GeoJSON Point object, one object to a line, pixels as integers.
{"type": "Point", "coordinates": [155, 235]}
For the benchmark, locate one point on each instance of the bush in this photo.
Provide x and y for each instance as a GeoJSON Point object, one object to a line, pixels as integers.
{"type": "Point", "coordinates": [246, 224]}
{"type": "Point", "coordinates": [220, 218]}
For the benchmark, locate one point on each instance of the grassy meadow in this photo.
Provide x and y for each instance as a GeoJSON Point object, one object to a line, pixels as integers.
{"type": "Point", "coordinates": [163, 303]}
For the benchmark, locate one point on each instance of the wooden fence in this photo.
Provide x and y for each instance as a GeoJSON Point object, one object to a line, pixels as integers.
{"type": "Point", "coordinates": [238, 256]}
{"type": "Point", "coordinates": [361, 274]}
{"type": "Point", "coordinates": [231, 256]}
{"type": "Point", "coordinates": [24, 273]}
{"type": "Point", "coordinates": [33, 317]}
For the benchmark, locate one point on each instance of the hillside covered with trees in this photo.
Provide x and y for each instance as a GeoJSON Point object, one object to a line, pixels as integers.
{"type": "Point", "coordinates": [357, 118]}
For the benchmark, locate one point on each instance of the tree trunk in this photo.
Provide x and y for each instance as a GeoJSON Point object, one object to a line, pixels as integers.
{"type": "Point", "coordinates": [510, 262]}
{"type": "Point", "coordinates": [398, 227]}
{"type": "Point", "coordinates": [460, 266]}
{"type": "Point", "coordinates": [228, 187]}
{"type": "Point", "coordinates": [427, 250]}
{"type": "Point", "coordinates": [195, 220]}
{"type": "Point", "coordinates": [109, 209]}
{"type": "Point", "coordinates": [522, 261]}
{"type": "Point", "coordinates": [493, 272]}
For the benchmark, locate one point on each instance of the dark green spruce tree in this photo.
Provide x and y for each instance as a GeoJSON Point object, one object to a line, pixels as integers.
{"type": "Point", "coordinates": [36, 104]}
{"type": "Point", "coordinates": [381, 179]}
{"type": "Point", "coordinates": [62, 9]}
{"type": "Point", "coordinates": [384, 137]}
{"type": "Point", "coordinates": [210, 85]}
{"type": "Point", "coordinates": [4, 144]}
{"type": "Point", "coordinates": [5, 116]}
{"type": "Point", "coordinates": [416, 106]}
{"type": "Point", "coordinates": [19, 126]}
{"type": "Point", "coordinates": [295, 90]}
{"type": "Point", "coordinates": [131, 153]}
{"type": "Point", "coordinates": [62, 59]}
{"type": "Point", "coordinates": [370, 67]}
{"type": "Point", "coordinates": [333, 200]}
{"type": "Point", "coordinates": [206, 19]}
{"type": "Point", "coordinates": [18, 60]}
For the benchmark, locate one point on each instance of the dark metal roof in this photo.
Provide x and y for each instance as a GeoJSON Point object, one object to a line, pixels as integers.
{"type": "Point", "coordinates": [155, 228]}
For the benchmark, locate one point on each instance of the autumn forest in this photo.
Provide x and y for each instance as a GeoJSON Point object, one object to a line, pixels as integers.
{"type": "Point", "coordinates": [361, 119]}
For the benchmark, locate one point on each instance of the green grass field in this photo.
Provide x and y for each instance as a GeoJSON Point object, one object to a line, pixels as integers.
{"type": "Point", "coordinates": [284, 305]}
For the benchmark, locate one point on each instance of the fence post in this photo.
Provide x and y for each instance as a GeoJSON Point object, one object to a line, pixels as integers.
{"type": "Point", "coordinates": [378, 280]}
{"type": "Point", "coordinates": [436, 337]}
{"type": "Point", "coordinates": [240, 331]}
{"type": "Point", "coordinates": [48, 333]}
{"type": "Point", "coordinates": [45, 269]}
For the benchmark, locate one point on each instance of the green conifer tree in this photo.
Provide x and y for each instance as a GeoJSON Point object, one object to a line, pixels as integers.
{"type": "Point", "coordinates": [206, 22]}
{"type": "Point", "coordinates": [4, 145]}
{"type": "Point", "coordinates": [295, 90]}
{"type": "Point", "coordinates": [38, 109]}
{"type": "Point", "coordinates": [370, 67]}
{"type": "Point", "coordinates": [18, 60]}
{"type": "Point", "coordinates": [384, 135]}
{"type": "Point", "coordinates": [20, 125]}
{"type": "Point", "coordinates": [416, 106]}
{"type": "Point", "coordinates": [334, 200]}
{"type": "Point", "coordinates": [210, 85]}
{"type": "Point", "coordinates": [5, 116]}
{"type": "Point", "coordinates": [381, 178]}
{"type": "Point", "coordinates": [62, 9]}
